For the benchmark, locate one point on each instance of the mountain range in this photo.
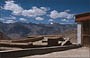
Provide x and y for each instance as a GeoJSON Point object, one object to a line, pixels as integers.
{"type": "Point", "coordinates": [19, 29]}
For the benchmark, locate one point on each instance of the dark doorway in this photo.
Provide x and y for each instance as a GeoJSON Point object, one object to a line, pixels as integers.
{"type": "Point", "coordinates": [86, 33]}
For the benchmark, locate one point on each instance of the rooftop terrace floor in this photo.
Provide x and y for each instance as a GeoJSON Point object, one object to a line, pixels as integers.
{"type": "Point", "coordinates": [83, 52]}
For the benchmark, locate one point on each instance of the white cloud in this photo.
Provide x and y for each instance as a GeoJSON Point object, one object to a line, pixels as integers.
{"type": "Point", "coordinates": [55, 14]}
{"type": "Point", "coordinates": [15, 8]}
{"type": "Point", "coordinates": [18, 10]}
{"type": "Point", "coordinates": [10, 21]}
{"type": "Point", "coordinates": [44, 8]}
{"type": "Point", "coordinates": [51, 23]}
{"type": "Point", "coordinates": [10, 17]}
{"type": "Point", "coordinates": [1, 19]}
{"type": "Point", "coordinates": [23, 20]}
{"type": "Point", "coordinates": [65, 20]}
{"type": "Point", "coordinates": [65, 15]}
{"type": "Point", "coordinates": [34, 12]}
{"type": "Point", "coordinates": [67, 10]}
{"type": "Point", "coordinates": [50, 20]}
{"type": "Point", "coordinates": [39, 18]}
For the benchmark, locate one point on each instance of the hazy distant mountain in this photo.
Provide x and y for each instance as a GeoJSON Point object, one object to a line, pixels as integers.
{"type": "Point", "coordinates": [18, 29]}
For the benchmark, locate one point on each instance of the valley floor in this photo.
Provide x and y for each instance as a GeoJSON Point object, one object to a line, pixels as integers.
{"type": "Point", "coordinates": [83, 52]}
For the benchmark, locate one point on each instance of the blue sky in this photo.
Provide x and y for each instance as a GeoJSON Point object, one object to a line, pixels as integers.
{"type": "Point", "coordinates": [42, 11]}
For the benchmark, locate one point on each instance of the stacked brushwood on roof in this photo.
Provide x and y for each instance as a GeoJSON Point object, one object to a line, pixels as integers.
{"type": "Point", "coordinates": [36, 40]}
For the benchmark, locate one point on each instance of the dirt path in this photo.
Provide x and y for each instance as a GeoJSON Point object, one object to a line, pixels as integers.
{"type": "Point", "coordinates": [83, 52]}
